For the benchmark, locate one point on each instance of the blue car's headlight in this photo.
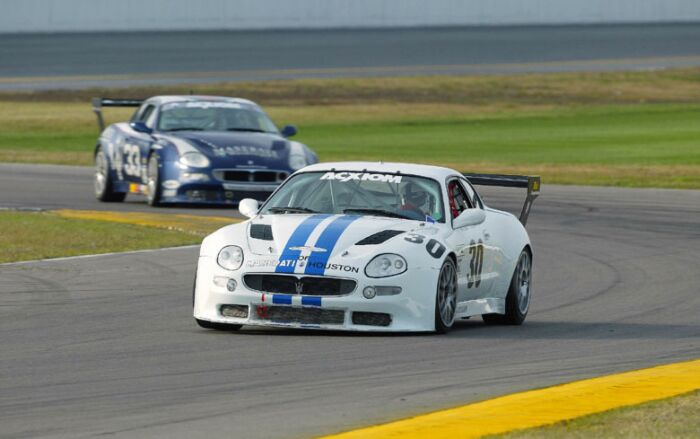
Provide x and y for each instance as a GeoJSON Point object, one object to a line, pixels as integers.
{"type": "Point", "coordinates": [230, 257]}
{"type": "Point", "coordinates": [194, 160]}
{"type": "Point", "coordinates": [297, 161]}
{"type": "Point", "coordinates": [386, 265]}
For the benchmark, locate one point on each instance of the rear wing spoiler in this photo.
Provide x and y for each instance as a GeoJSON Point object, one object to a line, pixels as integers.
{"type": "Point", "coordinates": [531, 183]}
{"type": "Point", "coordinates": [98, 103]}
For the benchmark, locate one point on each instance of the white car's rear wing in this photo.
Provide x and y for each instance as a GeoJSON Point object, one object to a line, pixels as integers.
{"type": "Point", "coordinates": [532, 183]}
{"type": "Point", "coordinates": [98, 103]}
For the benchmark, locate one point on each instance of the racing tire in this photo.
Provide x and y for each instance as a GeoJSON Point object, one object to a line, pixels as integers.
{"type": "Point", "coordinates": [519, 294]}
{"type": "Point", "coordinates": [103, 184]}
{"type": "Point", "coordinates": [446, 297]}
{"type": "Point", "coordinates": [153, 182]}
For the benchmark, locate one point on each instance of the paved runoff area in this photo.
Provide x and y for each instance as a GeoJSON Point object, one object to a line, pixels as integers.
{"type": "Point", "coordinates": [107, 345]}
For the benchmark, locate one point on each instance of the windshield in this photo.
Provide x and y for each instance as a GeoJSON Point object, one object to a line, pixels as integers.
{"type": "Point", "coordinates": [359, 193]}
{"type": "Point", "coordinates": [214, 116]}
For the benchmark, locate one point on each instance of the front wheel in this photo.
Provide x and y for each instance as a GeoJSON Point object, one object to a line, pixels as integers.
{"type": "Point", "coordinates": [519, 294]}
{"type": "Point", "coordinates": [446, 297]}
{"type": "Point", "coordinates": [153, 185]}
{"type": "Point", "coordinates": [104, 186]}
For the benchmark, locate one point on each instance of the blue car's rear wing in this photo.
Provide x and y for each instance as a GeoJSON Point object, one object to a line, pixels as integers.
{"type": "Point", "coordinates": [532, 183]}
{"type": "Point", "coordinates": [98, 103]}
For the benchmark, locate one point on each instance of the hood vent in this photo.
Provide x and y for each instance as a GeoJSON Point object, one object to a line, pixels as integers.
{"type": "Point", "coordinates": [379, 237]}
{"type": "Point", "coordinates": [261, 231]}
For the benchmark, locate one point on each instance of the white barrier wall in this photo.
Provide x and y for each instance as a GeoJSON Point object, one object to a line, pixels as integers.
{"type": "Point", "coordinates": [130, 15]}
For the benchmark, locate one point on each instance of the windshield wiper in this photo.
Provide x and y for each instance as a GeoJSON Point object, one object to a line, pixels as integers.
{"type": "Point", "coordinates": [251, 130]}
{"type": "Point", "coordinates": [291, 209]}
{"type": "Point", "coordinates": [185, 129]}
{"type": "Point", "coordinates": [376, 212]}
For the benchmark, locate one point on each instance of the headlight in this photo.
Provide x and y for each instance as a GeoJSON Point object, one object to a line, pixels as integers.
{"type": "Point", "coordinates": [230, 257]}
{"type": "Point", "coordinates": [385, 265]}
{"type": "Point", "coordinates": [194, 160]}
{"type": "Point", "coordinates": [297, 161]}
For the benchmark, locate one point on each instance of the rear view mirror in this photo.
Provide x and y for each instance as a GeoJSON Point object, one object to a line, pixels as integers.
{"type": "Point", "coordinates": [289, 131]}
{"type": "Point", "coordinates": [469, 217]}
{"type": "Point", "coordinates": [248, 207]}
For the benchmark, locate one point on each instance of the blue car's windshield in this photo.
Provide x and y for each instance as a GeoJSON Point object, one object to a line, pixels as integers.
{"type": "Point", "coordinates": [359, 193]}
{"type": "Point", "coordinates": [214, 116]}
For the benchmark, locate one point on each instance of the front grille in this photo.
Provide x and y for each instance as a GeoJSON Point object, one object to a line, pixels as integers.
{"type": "Point", "coordinates": [247, 176]}
{"type": "Point", "coordinates": [302, 316]}
{"type": "Point", "coordinates": [371, 318]}
{"type": "Point", "coordinates": [288, 284]}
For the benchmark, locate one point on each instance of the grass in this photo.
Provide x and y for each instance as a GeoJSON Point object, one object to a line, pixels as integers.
{"type": "Point", "coordinates": [40, 235]}
{"type": "Point", "coordinates": [622, 129]}
{"type": "Point", "coordinates": [673, 418]}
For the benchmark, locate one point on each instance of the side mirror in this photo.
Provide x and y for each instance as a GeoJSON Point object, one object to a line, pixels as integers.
{"type": "Point", "coordinates": [248, 207]}
{"type": "Point", "coordinates": [140, 127]}
{"type": "Point", "coordinates": [289, 131]}
{"type": "Point", "coordinates": [469, 217]}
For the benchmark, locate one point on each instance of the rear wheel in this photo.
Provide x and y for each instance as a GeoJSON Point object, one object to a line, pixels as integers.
{"type": "Point", "coordinates": [154, 186]}
{"type": "Point", "coordinates": [446, 297]}
{"type": "Point", "coordinates": [104, 186]}
{"type": "Point", "coordinates": [519, 294]}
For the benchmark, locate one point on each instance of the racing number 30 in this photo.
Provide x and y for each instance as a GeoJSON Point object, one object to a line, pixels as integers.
{"type": "Point", "coordinates": [434, 248]}
{"type": "Point", "coordinates": [475, 264]}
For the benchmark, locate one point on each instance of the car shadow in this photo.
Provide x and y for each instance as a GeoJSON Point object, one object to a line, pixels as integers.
{"type": "Point", "coordinates": [532, 329]}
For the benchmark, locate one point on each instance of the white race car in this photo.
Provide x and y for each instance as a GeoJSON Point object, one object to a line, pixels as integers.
{"type": "Point", "coordinates": [364, 246]}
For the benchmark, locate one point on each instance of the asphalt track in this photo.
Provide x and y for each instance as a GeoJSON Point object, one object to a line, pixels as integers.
{"type": "Point", "coordinates": [46, 61]}
{"type": "Point", "coordinates": [107, 346]}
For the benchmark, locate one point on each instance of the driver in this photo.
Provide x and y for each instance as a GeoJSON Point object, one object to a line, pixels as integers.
{"type": "Point", "coordinates": [414, 200]}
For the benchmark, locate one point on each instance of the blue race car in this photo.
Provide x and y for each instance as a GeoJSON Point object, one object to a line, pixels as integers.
{"type": "Point", "coordinates": [194, 149]}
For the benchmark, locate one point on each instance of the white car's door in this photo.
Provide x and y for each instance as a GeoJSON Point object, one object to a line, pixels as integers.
{"type": "Point", "coordinates": [468, 242]}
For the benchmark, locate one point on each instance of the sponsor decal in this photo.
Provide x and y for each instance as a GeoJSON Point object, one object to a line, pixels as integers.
{"type": "Point", "coordinates": [317, 262]}
{"type": "Point", "coordinates": [203, 104]}
{"type": "Point", "coordinates": [243, 150]}
{"type": "Point", "coordinates": [329, 237]}
{"type": "Point", "coordinates": [301, 261]}
{"type": "Point", "coordinates": [361, 176]}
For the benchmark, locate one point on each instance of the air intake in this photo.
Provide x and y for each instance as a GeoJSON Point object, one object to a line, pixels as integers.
{"type": "Point", "coordinates": [379, 237]}
{"type": "Point", "coordinates": [371, 318]}
{"type": "Point", "coordinates": [261, 231]}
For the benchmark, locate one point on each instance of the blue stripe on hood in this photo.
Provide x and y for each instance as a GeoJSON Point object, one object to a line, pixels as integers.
{"type": "Point", "coordinates": [288, 259]}
{"type": "Point", "coordinates": [328, 239]}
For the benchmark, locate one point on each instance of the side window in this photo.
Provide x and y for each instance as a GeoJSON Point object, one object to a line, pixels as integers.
{"type": "Point", "coordinates": [143, 113]}
{"type": "Point", "coordinates": [150, 119]}
{"type": "Point", "coordinates": [471, 194]}
{"type": "Point", "coordinates": [459, 201]}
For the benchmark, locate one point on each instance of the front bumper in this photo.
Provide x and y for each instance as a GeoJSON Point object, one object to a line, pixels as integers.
{"type": "Point", "coordinates": [217, 193]}
{"type": "Point", "coordinates": [411, 310]}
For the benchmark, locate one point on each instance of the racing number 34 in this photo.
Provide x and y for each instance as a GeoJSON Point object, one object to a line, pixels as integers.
{"type": "Point", "coordinates": [476, 251]}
